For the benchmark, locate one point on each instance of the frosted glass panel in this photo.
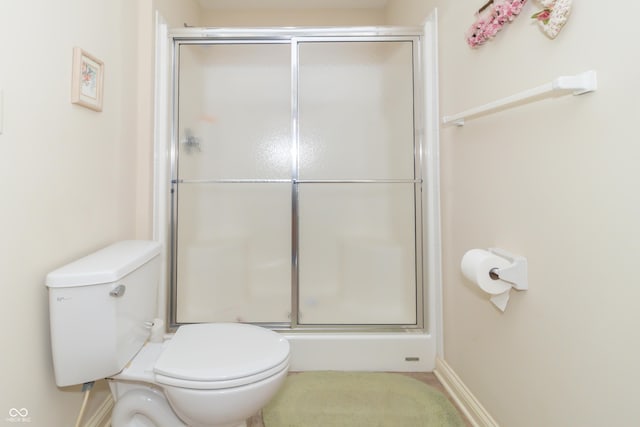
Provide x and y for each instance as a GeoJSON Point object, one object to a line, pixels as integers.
{"type": "Point", "coordinates": [235, 103]}
{"type": "Point", "coordinates": [238, 227]}
{"type": "Point", "coordinates": [357, 254]}
{"type": "Point", "coordinates": [234, 253]}
{"type": "Point", "coordinates": [356, 110]}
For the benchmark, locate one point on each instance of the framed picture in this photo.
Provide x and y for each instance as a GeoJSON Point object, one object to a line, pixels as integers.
{"type": "Point", "coordinates": [86, 84]}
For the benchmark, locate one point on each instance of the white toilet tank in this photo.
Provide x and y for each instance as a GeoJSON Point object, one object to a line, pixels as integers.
{"type": "Point", "coordinates": [101, 309]}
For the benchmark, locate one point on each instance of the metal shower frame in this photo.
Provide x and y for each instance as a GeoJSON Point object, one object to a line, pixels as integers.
{"type": "Point", "coordinates": [293, 37]}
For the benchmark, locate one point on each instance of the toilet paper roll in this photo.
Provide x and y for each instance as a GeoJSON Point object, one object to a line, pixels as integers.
{"type": "Point", "coordinates": [501, 300]}
{"type": "Point", "coordinates": [476, 265]}
{"type": "Point", "coordinates": [157, 331]}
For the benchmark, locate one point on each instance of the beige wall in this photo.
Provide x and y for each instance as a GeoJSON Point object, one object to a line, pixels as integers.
{"type": "Point", "coordinates": [555, 181]}
{"type": "Point", "coordinates": [292, 17]}
{"type": "Point", "coordinates": [67, 173]}
{"type": "Point", "coordinates": [178, 13]}
{"type": "Point", "coordinates": [75, 180]}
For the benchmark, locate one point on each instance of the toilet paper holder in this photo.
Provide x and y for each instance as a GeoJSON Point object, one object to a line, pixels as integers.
{"type": "Point", "coordinates": [516, 273]}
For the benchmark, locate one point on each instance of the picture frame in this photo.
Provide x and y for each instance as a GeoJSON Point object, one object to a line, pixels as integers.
{"type": "Point", "coordinates": [87, 80]}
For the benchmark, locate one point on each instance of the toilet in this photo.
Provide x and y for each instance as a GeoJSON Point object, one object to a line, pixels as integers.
{"type": "Point", "coordinates": [101, 311]}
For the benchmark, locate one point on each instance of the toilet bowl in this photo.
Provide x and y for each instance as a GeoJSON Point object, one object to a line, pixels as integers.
{"type": "Point", "coordinates": [215, 374]}
{"type": "Point", "coordinates": [101, 310]}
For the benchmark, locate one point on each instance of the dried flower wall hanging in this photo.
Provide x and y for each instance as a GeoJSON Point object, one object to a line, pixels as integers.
{"type": "Point", "coordinates": [488, 25]}
{"type": "Point", "coordinates": [553, 17]}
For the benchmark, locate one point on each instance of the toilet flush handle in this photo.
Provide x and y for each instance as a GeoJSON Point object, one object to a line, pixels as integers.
{"type": "Point", "coordinates": [118, 291]}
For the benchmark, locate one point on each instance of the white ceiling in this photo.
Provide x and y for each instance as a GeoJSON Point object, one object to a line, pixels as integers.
{"type": "Point", "coordinates": [292, 4]}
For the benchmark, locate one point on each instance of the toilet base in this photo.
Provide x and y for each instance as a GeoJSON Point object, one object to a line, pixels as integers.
{"type": "Point", "coordinates": [134, 400]}
{"type": "Point", "coordinates": [143, 407]}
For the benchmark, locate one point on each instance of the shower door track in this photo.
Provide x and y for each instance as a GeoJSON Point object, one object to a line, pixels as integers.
{"type": "Point", "coordinates": [284, 34]}
{"type": "Point", "coordinates": [294, 36]}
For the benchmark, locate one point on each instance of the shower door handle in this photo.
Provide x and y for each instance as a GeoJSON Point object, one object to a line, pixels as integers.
{"type": "Point", "coordinates": [191, 142]}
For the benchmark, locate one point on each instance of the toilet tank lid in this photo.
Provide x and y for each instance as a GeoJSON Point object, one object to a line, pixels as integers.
{"type": "Point", "coordinates": [106, 265]}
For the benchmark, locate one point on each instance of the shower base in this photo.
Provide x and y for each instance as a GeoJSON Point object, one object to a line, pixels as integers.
{"type": "Point", "coordinates": [391, 352]}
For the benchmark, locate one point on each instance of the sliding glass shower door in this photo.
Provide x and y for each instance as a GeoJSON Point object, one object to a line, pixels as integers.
{"type": "Point", "coordinates": [296, 183]}
{"type": "Point", "coordinates": [356, 183]}
{"type": "Point", "coordinates": [233, 193]}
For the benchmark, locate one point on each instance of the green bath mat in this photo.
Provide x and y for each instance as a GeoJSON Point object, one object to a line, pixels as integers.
{"type": "Point", "coordinates": [358, 399]}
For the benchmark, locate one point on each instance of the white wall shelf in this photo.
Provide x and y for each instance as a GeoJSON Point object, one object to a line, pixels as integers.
{"type": "Point", "coordinates": [577, 85]}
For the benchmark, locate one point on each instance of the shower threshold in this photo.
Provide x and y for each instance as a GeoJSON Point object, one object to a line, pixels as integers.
{"type": "Point", "coordinates": [345, 351]}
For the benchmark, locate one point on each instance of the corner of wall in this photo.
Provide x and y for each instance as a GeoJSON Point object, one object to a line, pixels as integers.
{"type": "Point", "coordinates": [469, 405]}
{"type": "Point", "coordinates": [102, 416]}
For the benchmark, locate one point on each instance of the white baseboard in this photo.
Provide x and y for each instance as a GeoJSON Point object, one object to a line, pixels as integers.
{"type": "Point", "coordinates": [469, 405]}
{"type": "Point", "coordinates": [102, 416]}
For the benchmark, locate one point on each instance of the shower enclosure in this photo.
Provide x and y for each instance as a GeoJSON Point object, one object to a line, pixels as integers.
{"type": "Point", "coordinates": [296, 180]}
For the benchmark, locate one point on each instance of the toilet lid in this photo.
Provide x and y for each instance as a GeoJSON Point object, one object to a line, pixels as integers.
{"type": "Point", "coordinates": [221, 352]}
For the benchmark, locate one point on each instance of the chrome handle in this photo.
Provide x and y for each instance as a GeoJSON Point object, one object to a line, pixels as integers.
{"type": "Point", "coordinates": [118, 291]}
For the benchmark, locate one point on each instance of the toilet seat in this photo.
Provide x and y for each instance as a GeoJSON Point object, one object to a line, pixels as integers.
{"type": "Point", "coordinates": [221, 355]}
